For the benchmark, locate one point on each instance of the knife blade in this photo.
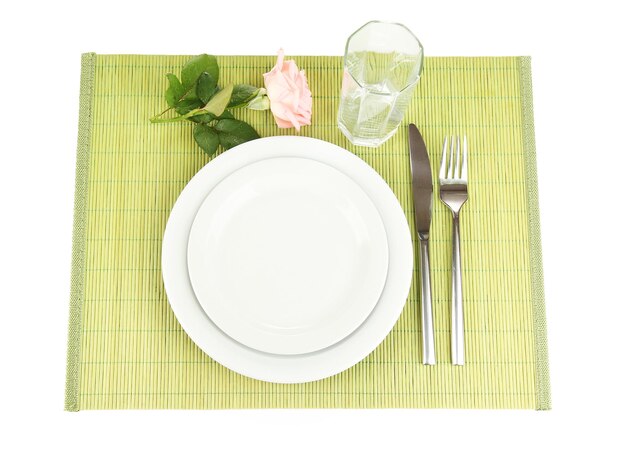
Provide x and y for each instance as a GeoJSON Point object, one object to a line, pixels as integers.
{"type": "Point", "coordinates": [422, 182]}
{"type": "Point", "coordinates": [422, 185]}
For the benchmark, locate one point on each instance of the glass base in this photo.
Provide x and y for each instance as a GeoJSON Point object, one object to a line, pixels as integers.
{"type": "Point", "coordinates": [366, 142]}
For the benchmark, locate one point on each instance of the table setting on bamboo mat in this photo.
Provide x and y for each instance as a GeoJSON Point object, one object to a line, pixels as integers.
{"type": "Point", "coordinates": [307, 232]}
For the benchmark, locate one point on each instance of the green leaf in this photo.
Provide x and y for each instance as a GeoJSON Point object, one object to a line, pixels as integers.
{"type": "Point", "coordinates": [175, 90]}
{"type": "Point", "coordinates": [203, 118]}
{"type": "Point", "coordinates": [219, 101]}
{"type": "Point", "coordinates": [232, 132]}
{"type": "Point", "coordinates": [226, 115]}
{"type": "Point", "coordinates": [242, 94]}
{"type": "Point", "coordinates": [206, 138]}
{"type": "Point", "coordinates": [195, 67]}
{"type": "Point", "coordinates": [206, 87]}
{"type": "Point", "coordinates": [191, 94]}
{"type": "Point", "coordinates": [187, 104]}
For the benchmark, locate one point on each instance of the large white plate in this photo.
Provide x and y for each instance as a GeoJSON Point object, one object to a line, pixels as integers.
{"type": "Point", "coordinates": [287, 255]}
{"type": "Point", "coordinates": [286, 368]}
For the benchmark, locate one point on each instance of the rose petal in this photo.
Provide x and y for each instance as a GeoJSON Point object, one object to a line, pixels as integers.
{"type": "Point", "coordinates": [288, 90]}
{"type": "Point", "coordinates": [279, 60]}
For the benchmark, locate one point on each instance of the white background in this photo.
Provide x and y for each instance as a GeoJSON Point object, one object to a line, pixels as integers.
{"type": "Point", "coordinates": [578, 62]}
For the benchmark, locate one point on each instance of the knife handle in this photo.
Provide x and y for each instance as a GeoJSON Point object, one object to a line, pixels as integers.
{"type": "Point", "coordinates": [428, 333]}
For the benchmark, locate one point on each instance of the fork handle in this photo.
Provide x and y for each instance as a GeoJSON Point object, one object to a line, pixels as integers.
{"type": "Point", "coordinates": [458, 329]}
{"type": "Point", "coordinates": [428, 333]}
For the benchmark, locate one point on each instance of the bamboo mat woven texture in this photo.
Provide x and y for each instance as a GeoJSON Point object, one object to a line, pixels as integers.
{"type": "Point", "coordinates": [126, 349]}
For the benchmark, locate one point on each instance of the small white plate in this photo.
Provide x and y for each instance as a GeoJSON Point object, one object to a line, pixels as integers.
{"type": "Point", "coordinates": [287, 255]}
{"type": "Point", "coordinates": [286, 368]}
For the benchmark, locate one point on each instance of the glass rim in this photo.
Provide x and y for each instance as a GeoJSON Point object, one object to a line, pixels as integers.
{"type": "Point", "coordinates": [390, 23]}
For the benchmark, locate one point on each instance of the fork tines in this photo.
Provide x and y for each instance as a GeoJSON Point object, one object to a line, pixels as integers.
{"type": "Point", "coordinates": [454, 166]}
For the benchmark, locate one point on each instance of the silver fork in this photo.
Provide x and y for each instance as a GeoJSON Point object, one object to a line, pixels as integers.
{"type": "Point", "coordinates": [453, 192]}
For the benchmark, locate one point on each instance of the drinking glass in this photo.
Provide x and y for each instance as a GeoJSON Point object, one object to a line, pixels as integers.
{"type": "Point", "coordinates": [382, 65]}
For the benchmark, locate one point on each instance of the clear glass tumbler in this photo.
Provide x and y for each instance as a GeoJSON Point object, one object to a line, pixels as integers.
{"type": "Point", "coordinates": [382, 65]}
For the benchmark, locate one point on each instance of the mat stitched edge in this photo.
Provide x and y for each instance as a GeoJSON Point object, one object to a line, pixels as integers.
{"type": "Point", "coordinates": [536, 262]}
{"type": "Point", "coordinates": [77, 290]}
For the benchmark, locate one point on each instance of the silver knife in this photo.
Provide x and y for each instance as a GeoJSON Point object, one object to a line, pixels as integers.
{"type": "Point", "coordinates": [422, 183]}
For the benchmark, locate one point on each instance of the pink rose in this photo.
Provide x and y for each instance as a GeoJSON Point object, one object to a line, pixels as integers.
{"type": "Point", "coordinates": [290, 97]}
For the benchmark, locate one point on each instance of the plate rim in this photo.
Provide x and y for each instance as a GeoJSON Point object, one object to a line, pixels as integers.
{"type": "Point", "coordinates": [311, 366]}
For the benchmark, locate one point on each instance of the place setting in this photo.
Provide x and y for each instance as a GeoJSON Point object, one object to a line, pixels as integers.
{"type": "Point", "coordinates": [356, 231]}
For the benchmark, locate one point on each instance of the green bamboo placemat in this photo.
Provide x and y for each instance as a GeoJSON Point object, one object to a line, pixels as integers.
{"type": "Point", "coordinates": [126, 349]}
